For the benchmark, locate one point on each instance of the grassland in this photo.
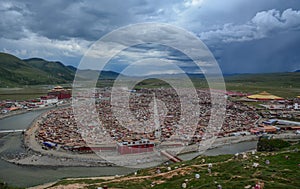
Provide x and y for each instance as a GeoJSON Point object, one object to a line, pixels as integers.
{"type": "Point", "coordinates": [282, 84]}
{"type": "Point", "coordinates": [286, 85]}
{"type": "Point", "coordinates": [228, 171]}
{"type": "Point", "coordinates": [25, 93]}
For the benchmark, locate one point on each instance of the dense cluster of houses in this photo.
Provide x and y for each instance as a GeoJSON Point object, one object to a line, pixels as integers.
{"type": "Point", "coordinates": [54, 97]}
{"type": "Point", "coordinates": [60, 126]}
{"type": "Point", "coordinates": [8, 106]}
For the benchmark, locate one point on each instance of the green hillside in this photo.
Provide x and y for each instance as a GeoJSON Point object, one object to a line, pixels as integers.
{"type": "Point", "coordinates": [227, 170]}
{"type": "Point", "coordinates": [16, 72]}
{"type": "Point", "coordinates": [54, 69]}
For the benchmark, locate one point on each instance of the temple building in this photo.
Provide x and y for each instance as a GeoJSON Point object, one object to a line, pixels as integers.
{"type": "Point", "coordinates": [264, 96]}
{"type": "Point", "coordinates": [60, 92]}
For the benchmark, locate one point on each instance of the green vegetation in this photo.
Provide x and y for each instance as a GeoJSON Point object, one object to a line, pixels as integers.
{"type": "Point", "coordinates": [53, 69]}
{"type": "Point", "coordinates": [286, 85]}
{"type": "Point", "coordinates": [270, 145]}
{"type": "Point", "coordinates": [280, 84]}
{"type": "Point", "coordinates": [105, 83]}
{"type": "Point", "coordinates": [16, 72]}
{"type": "Point", "coordinates": [22, 93]}
{"type": "Point", "coordinates": [28, 92]}
{"type": "Point", "coordinates": [5, 186]}
{"type": "Point", "coordinates": [152, 83]}
{"type": "Point", "coordinates": [79, 181]}
{"type": "Point", "coordinates": [227, 170]}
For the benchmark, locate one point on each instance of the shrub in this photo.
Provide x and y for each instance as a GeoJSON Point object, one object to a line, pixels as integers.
{"type": "Point", "coordinates": [271, 144]}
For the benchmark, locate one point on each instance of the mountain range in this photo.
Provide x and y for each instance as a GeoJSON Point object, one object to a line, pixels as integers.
{"type": "Point", "coordinates": [36, 71]}
{"type": "Point", "coordinates": [15, 72]}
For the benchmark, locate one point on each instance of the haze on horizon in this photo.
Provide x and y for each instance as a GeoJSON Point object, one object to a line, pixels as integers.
{"type": "Point", "coordinates": [249, 36]}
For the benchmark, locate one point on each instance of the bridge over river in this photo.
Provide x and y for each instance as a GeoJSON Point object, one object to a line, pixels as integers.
{"type": "Point", "coordinates": [12, 131]}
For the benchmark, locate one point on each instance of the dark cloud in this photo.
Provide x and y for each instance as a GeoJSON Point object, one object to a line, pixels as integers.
{"type": "Point", "coordinates": [63, 30]}
{"type": "Point", "coordinates": [273, 54]}
{"type": "Point", "coordinates": [88, 20]}
{"type": "Point", "coordinates": [263, 24]}
{"type": "Point", "coordinates": [12, 20]}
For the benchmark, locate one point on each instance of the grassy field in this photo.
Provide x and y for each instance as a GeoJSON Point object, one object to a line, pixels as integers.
{"type": "Point", "coordinates": [280, 84]}
{"type": "Point", "coordinates": [28, 92]}
{"type": "Point", "coordinates": [228, 171]}
{"type": "Point", "coordinates": [286, 85]}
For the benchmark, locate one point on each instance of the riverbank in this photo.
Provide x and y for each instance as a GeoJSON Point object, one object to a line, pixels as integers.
{"type": "Point", "coordinates": [12, 146]}
{"type": "Point", "coordinates": [35, 155]}
{"type": "Point", "coordinates": [63, 158]}
{"type": "Point", "coordinates": [278, 169]}
{"type": "Point", "coordinates": [38, 156]}
{"type": "Point", "coordinates": [31, 175]}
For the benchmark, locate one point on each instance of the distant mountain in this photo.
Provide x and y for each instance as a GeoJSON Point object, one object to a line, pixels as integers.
{"type": "Point", "coordinates": [170, 76]}
{"type": "Point", "coordinates": [108, 75]}
{"type": "Point", "coordinates": [52, 69]}
{"type": "Point", "coordinates": [35, 71]}
{"type": "Point", "coordinates": [72, 68]}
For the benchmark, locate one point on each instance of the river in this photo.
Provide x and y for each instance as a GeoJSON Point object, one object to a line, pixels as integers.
{"type": "Point", "coordinates": [25, 176]}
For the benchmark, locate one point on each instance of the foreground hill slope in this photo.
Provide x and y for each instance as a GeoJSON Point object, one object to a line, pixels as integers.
{"type": "Point", "coordinates": [281, 171]}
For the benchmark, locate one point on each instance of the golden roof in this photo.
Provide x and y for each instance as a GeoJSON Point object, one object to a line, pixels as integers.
{"type": "Point", "coordinates": [58, 88]}
{"type": "Point", "coordinates": [264, 96]}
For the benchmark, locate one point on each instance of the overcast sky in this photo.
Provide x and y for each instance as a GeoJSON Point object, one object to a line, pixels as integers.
{"type": "Point", "coordinates": [245, 36]}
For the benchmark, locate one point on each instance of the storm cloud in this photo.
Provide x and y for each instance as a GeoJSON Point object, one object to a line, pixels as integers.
{"type": "Point", "coordinates": [263, 24]}
{"type": "Point", "coordinates": [245, 36]}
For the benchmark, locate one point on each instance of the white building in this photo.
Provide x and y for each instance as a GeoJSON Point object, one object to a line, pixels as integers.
{"type": "Point", "coordinates": [49, 100]}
